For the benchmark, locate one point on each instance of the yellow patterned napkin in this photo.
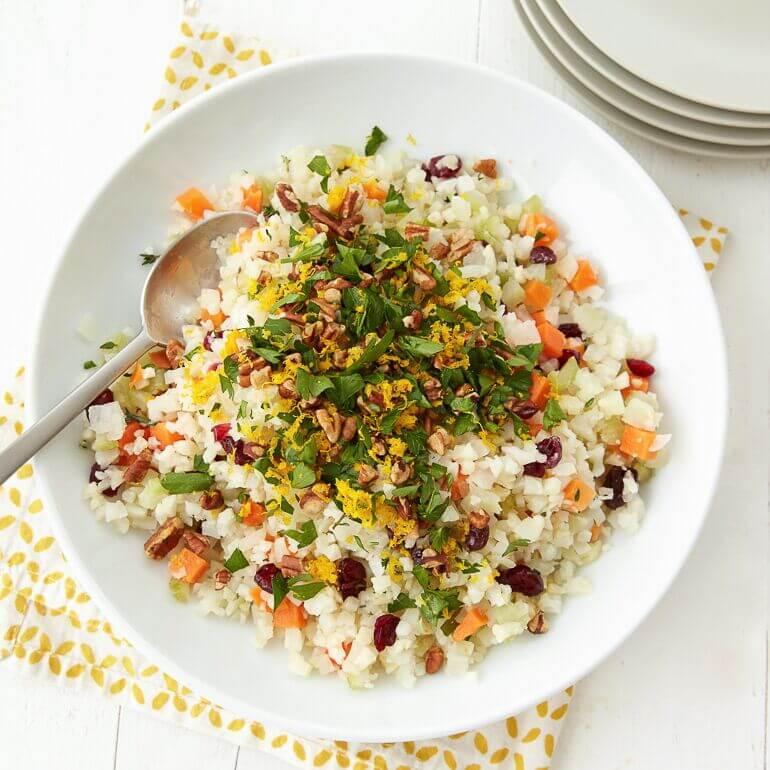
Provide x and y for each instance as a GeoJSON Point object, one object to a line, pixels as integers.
{"type": "Point", "coordinates": [50, 628]}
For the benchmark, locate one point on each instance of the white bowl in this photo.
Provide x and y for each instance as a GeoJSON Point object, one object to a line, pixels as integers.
{"type": "Point", "coordinates": [610, 210]}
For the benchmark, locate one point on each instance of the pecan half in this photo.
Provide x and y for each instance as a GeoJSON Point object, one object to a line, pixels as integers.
{"type": "Point", "coordinates": [413, 320]}
{"type": "Point", "coordinates": [487, 167]}
{"type": "Point", "coordinates": [287, 389]}
{"type": "Point", "coordinates": [413, 230]}
{"type": "Point", "coordinates": [461, 243]}
{"type": "Point", "coordinates": [438, 251]}
{"type": "Point", "coordinates": [400, 472]}
{"type": "Point", "coordinates": [164, 539]}
{"type": "Point", "coordinates": [288, 198]}
{"type": "Point", "coordinates": [137, 468]}
{"type": "Point", "coordinates": [459, 488]}
{"type": "Point", "coordinates": [478, 519]}
{"type": "Point", "coordinates": [349, 428]}
{"type": "Point", "coordinates": [350, 203]}
{"type": "Point", "coordinates": [538, 624]}
{"type": "Point", "coordinates": [290, 566]}
{"type": "Point", "coordinates": [434, 659]}
{"type": "Point", "coordinates": [174, 353]}
{"type": "Point", "coordinates": [221, 579]}
{"type": "Point", "coordinates": [366, 475]}
{"type": "Point", "coordinates": [196, 542]}
{"type": "Point", "coordinates": [439, 441]}
{"type": "Point", "coordinates": [311, 503]}
{"type": "Point", "coordinates": [211, 500]}
{"type": "Point", "coordinates": [432, 389]}
{"type": "Point", "coordinates": [424, 280]}
{"type": "Point", "coordinates": [331, 424]}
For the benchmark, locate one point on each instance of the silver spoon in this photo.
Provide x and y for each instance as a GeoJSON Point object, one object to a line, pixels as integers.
{"type": "Point", "coordinates": [168, 301]}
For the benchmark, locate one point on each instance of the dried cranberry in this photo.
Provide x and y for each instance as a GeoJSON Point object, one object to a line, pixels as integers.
{"type": "Point", "coordinates": [615, 480]}
{"type": "Point", "coordinates": [105, 397]}
{"type": "Point", "coordinates": [477, 538]}
{"type": "Point", "coordinates": [640, 368]}
{"type": "Point", "coordinates": [241, 457]}
{"type": "Point", "coordinates": [228, 444]}
{"type": "Point", "coordinates": [551, 448]}
{"type": "Point", "coordinates": [542, 255]}
{"type": "Point", "coordinates": [351, 575]}
{"type": "Point", "coordinates": [265, 575]}
{"type": "Point", "coordinates": [92, 476]}
{"type": "Point", "coordinates": [566, 355]}
{"type": "Point", "coordinates": [435, 168]}
{"type": "Point", "coordinates": [109, 492]}
{"type": "Point", "coordinates": [522, 579]}
{"type": "Point", "coordinates": [571, 330]}
{"type": "Point", "coordinates": [525, 409]}
{"type": "Point", "coordinates": [221, 430]}
{"type": "Point", "coordinates": [535, 469]}
{"type": "Point", "coordinates": [385, 631]}
{"type": "Point", "coordinates": [207, 339]}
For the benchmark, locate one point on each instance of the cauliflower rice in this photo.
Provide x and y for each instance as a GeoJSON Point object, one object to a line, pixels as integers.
{"type": "Point", "coordinates": [397, 428]}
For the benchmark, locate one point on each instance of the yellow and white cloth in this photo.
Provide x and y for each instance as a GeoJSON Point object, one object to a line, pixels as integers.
{"type": "Point", "coordinates": [50, 628]}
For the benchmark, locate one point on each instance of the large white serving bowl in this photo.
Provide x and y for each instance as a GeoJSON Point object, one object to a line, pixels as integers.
{"type": "Point", "coordinates": [607, 207]}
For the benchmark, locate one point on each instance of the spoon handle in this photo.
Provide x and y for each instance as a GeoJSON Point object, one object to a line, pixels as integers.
{"type": "Point", "coordinates": [36, 437]}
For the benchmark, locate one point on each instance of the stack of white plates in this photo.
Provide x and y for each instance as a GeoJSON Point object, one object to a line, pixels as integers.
{"type": "Point", "coordinates": [693, 75]}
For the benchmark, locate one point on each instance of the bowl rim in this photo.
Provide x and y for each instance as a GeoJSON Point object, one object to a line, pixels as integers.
{"type": "Point", "coordinates": [463, 721]}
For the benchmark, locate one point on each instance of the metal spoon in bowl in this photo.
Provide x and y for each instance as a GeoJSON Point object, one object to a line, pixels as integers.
{"type": "Point", "coordinates": [169, 299]}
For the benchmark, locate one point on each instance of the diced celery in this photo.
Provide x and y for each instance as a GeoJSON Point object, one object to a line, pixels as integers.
{"type": "Point", "coordinates": [512, 293]}
{"type": "Point", "coordinates": [565, 377]}
{"type": "Point", "coordinates": [179, 590]}
{"type": "Point", "coordinates": [533, 205]}
{"type": "Point", "coordinates": [152, 493]}
{"type": "Point", "coordinates": [104, 445]}
{"type": "Point", "coordinates": [610, 430]}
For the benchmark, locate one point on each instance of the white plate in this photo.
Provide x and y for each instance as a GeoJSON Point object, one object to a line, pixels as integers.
{"type": "Point", "coordinates": [708, 51]}
{"type": "Point", "coordinates": [610, 210]}
{"type": "Point", "coordinates": [648, 113]}
{"type": "Point", "coordinates": [638, 87]}
{"type": "Point", "coordinates": [534, 20]}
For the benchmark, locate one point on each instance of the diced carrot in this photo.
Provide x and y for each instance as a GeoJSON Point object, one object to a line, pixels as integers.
{"type": "Point", "coordinates": [164, 435]}
{"type": "Point", "coordinates": [578, 495]}
{"type": "Point", "coordinates": [533, 224]}
{"type": "Point", "coordinates": [194, 202]}
{"type": "Point", "coordinates": [244, 235]}
{"type": "Point", "coordinates": [347, 646]}
{"type": "Point", "coordinates": [256, 595]}
{"type": "Point", "coordinates": [374, 191]}
{"type": "Point", "coordinates": [540, 390]}
{"type": "Point", "coordinates": [596, 533]}
{"type": "Point", "coordinates": [217, 318]}
{"type": "Point", "coordinates": [553, 340]}
{"type": "Point", "coordinates": [584, 277]}
{"type": "Point", "coordinates": [534, 426]}
{"type": "Point", "coordinates": [289, 615]}
{"type": "Point", "coordinates": [538, 316]}
{"type": "Point", "coordinates": [136, 375]}
{"type": "Point", "coordinates": [129, 434]}
{"type": "Point", "coordinates": [641, 384]}
{"type": "Point", "coordinates": [194, 566]}
{"type": "Point", "coordinates": [252, 198]}
{"type": "Point", "coordinates": [637, 442]}
{"type": "Point", "coordinates": [537, 295]}
{"type": "Point", "coordinates": [159, 359]}
{"type": "Point", "coordinates": [253, 514]}
{"type": "Point", "coordinates": [474, 620]}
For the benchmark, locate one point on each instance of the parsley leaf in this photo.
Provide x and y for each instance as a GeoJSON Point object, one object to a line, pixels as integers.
{"type": "Point", "coordinates": [226, 385]}
{"type": "Point", "coordinates": [148, 257]}
{"type": "Point", "coordinates": [419, 346]}
{"type": "Point", "coordinates": [348, 260]}
{"type": "Point", "coordinates": [280, 588]}
{"type": "Point", "coordinates": [372, 352]}
{"type": "Point", "coordinates": [346, 388]}
{"type": "Point", "coordinates": [305, 536]}
{"type": "Point", "coordinates": [302, 589]}
{"type": "Point", "coordinates": [109, 345]}
{"type": "Point", "coordinates": [394, 203]}
{"type": "Point", "coordinates": [199, 465]}
{"type": "Point", "coordinates": [236, 561]}
{"type": "Point", "coordinates": [310, 386]}
{"type": "Point", "coordinates": [374, 141]}
{"type": "Point", "coordinates": [230, 366]}
{"type": "Point", "coordinates": [421, 575]}
{"type": "Point", "coordinates": [302, 476]}
{"type": "Point", "coordinates": [401, 602]}
{"type": "Point", "coordinates": [89, 364]}
{"type": "Point", "coordinates": [437, 604]}
{"type": "Point", "coordinates": [181, 483]}
{"type": "Point", "coordinates": [439, 537]}
{"type": "Point", "coordinates": [514, 544]}
{"type": "Point", "coordinates": [552, 414]}
{"type": "Point", "coordinates": [320, 165]}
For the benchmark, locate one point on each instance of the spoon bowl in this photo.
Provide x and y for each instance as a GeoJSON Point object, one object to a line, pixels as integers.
{"type": "Point", "coordinates": [168, 301]}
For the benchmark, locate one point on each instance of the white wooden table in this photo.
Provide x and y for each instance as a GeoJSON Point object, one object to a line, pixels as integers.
{"type": "Point", "coordinates": [689, 690]}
